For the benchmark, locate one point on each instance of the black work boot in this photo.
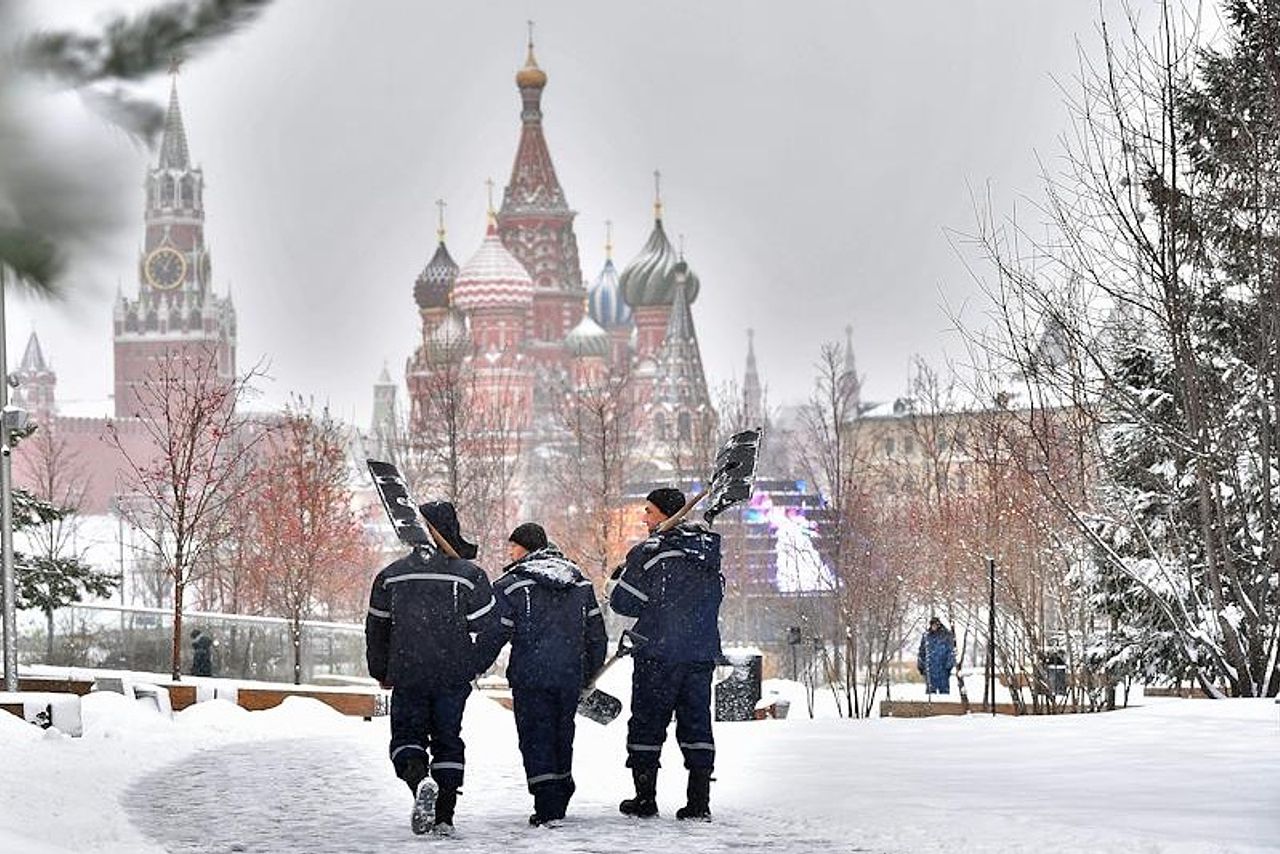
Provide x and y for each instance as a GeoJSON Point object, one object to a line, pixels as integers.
{"type": "Point", "coordinates": [699, 796]}
{"type": "Point", "coordinates": [545, 805]}
{"type": "Point", "coordinates": [414, 770]}
{"type": "Point", "coordinates": [424, 806]}
{"type": "Point", "coordinates": [645, 803]}
{"type": "Point", "coordinates": [446, 800]}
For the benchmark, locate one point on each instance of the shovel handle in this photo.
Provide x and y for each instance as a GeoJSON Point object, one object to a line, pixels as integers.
{"type": "Point", "coordinates": [669, 523]}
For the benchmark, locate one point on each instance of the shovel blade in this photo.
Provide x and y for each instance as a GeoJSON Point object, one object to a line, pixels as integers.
{"type": "Point", "coordinates": [600, 706]}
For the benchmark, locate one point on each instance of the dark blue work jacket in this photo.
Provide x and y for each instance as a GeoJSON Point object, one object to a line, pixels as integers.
{"type": "Point", "coordinates": [422, 611]}
{"type": "Point", "coordinates": [672, 583]}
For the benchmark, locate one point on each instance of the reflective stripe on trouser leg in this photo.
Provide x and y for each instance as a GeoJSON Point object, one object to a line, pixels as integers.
{"type": "Point", "coordinates": [693, 716]}
{"type": "Point", "coordinates": [545, 727]}
{"type": "Point", "coordinates": [410, 717]}
{"type": "Point", "coordinates": [448, 751]}
{"type": "Point", "coordinates": [654, 688]}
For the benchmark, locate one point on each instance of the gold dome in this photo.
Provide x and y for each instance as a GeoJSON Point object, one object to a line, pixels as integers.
{"type": "Point", "coordinates": [531, 76]}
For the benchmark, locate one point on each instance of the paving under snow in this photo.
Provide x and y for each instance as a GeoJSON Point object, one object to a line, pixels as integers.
{"type": "Point", "coordinates": [1168, 776]}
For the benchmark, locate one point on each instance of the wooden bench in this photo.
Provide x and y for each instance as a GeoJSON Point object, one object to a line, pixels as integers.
{"type": "Point", "coordinates": [365, 704]}
{"type": "Point", "coordinates": [55, 685]}
{"type": "Point", "coordinates": [925, 709]}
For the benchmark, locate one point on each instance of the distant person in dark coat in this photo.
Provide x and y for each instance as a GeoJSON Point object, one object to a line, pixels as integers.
{"type": "Point", "coordinates": [201, 653]}
{"type": "Point", "coordinates": [672, 584]}
{"type": "Point", "coordinates": [937, 657]}
{"type": "Point", "coordinates": [423, 610]}
{"type": "Point", "coordinates": [548, 611]}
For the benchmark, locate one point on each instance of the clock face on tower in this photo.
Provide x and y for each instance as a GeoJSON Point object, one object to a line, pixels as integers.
{"type": "Point", "coordinates": [165, 268]}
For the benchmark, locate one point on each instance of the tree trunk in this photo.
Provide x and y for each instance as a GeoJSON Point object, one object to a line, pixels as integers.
{"type": "Point", "coordinates": [176, 651]}
{"type": "Point", "coordinates": [297, 651]}
{"type": "Point", "coordinates": [48, 614]}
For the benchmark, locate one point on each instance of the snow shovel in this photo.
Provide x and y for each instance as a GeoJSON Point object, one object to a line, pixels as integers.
{"type": "Point", "coordinates": [598, 705]}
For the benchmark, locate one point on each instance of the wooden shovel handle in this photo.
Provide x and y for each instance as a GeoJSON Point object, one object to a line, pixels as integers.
{"type": "Point", "coordinates": [671, 522]}
{"type": "Point", "coordinates": [440, 541]}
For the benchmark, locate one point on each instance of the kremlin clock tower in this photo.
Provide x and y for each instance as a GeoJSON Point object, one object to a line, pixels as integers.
{"type": "Point", "coordinates": [176, 308]}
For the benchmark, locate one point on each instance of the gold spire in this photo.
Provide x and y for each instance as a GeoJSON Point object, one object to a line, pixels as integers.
{"type": "Point", "coordinates": [531, 76]}
{"type": "Point", "coordinates": [608, 240]}
{"type": "Point", "coordinates": [175, 65]}
{"type": "Point", "coordinates": [493, 215]}
{"type": "Point", "coordinates": [657, 194]}
{"type": "Point", "coordinates": [441, 204]}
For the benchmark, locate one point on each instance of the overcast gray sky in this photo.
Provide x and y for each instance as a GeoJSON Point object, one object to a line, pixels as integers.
{"type": "Point", "coordinates": [814, 155]}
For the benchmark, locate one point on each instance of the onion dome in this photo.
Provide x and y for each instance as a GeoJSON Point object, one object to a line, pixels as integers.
{"type": "Point", "coordinates": [650, 278]}
{"type": "Point", "coordinates": [604, 299]}
{"type": "Point", "coordinates": [434, 283]}
{"type": "Point", "coordinates": [493, 278]}
{"type": "Point", "coordinates": [682, 272]}
{"type": "Point", "coordinates": [531, 76]}
{"type": "Point", "coordinates": [588, 339]}
{"type": "Point", "coordinates": [448, 341]}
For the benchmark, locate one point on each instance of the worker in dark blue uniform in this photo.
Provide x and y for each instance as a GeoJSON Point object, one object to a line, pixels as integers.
{"type": "Point", "coordinates": [672, 584]}
{"type": "Point", "coordinates": [548, 611]}
{"type": "Point", "coordinates": [423, 610]}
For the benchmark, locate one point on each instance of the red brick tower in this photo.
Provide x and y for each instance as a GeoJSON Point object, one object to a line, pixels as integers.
{"type": "Point", "coordinates": [176, 308]}
{"type": "Point", "coordinates": [536, 225]}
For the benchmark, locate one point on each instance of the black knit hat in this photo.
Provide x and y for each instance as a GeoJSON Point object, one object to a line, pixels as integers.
{"type": "Point", "coordinates": [667, 500]}
{"type": "Point", "coordinates": [530, 536]}
{"type": "Point", "coordinates": [441, 516]}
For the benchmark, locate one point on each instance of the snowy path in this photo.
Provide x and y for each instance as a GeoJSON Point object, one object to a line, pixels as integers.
{"type": "Point", "coordinates": [334, 796]}
{"type": "Point", "coordinates": [1170, 777]}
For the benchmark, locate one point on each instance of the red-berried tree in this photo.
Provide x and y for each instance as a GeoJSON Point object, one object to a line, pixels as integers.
{"type": "Point", "coordinates": [311, 549]}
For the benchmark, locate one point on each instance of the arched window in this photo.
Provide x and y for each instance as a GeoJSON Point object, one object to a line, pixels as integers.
{"type": "Point", "coordinates": [660, 426]}
{"type": "Point", "coordinates": [167, 189]}
{"type": "Point", "coordinates": [684, 424]}
{"type": "Point", "coordinates": [153, 321]}
{"type": "Point", "coordinates": [131, 322]}
{"type": "Point", "coordinates": [188, 199]}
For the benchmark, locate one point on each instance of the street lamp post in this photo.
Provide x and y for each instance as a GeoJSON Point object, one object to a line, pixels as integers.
{"type": "Point", "coordinates": [6, 516]}
{"type": "Point", "coordinates": [991, 633]}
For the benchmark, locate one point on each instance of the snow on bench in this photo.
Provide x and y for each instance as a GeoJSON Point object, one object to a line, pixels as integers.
{"type": "Point", "coordinates": [45, 709]}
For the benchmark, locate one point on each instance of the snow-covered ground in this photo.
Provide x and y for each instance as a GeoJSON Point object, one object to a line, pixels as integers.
{"type": "Point", "coordinates": [1166, 776]}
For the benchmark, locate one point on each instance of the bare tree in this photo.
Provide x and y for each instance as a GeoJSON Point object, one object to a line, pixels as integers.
{"type": "Point", "coordinates": [311, 549]}
{"type": "Point", "coordinates": [825, 449]}
{"type": "Point", "coordinates": [465, 440]}
{"type": "Point", "coordinates": [191, 473]}
{"type": "Point", "coordinates": [1158, 282]}
{"type": "Point", "coordinates": [590, 459]}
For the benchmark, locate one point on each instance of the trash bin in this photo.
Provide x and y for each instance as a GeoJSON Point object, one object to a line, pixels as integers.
{"type": "Point", "coordinates": [737, 694]}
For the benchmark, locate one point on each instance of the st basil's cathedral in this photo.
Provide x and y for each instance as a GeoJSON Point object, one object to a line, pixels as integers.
{"type": "Point", "coordinates": [516, 326]}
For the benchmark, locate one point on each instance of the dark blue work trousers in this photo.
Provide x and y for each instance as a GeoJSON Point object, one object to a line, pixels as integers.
{"type": "Point", "coordinates": [545, 727]}
{"type": "Point", "coordinates": [426, 722]}
{"type": "Point", "coordinates": [660, 689]}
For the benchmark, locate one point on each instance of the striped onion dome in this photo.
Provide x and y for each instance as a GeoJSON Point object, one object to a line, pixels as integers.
{"type": "Point", "coordinates": [604, 299]}
{"type": "Point", "coordinates": [493, 278]}
{"type": "Point", "coordinates": [431, 290]}
{"type": "Point", "coordinates": [587, 339]}
{"type": "Point", "coordinates": [650, 278]}
{"type": "Point", "coordinates": [449, 340]}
